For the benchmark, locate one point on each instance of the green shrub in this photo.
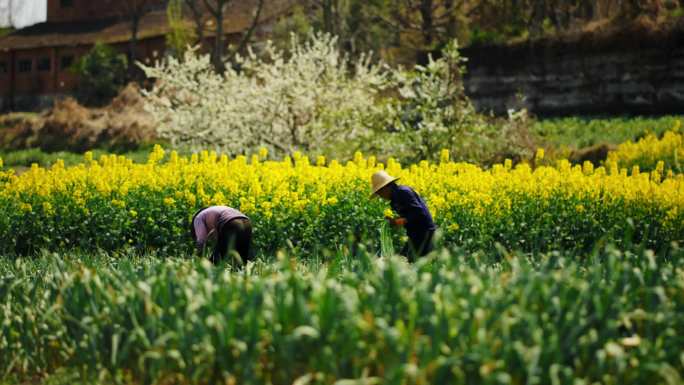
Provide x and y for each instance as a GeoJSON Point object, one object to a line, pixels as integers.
{"type": "Point", "coordinates": [102, 72]}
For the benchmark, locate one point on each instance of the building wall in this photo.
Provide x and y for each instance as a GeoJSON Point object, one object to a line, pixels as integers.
{"type": "Point", "coordinates": [570, 79]}
{"type": "Point", "coordinates": [35, 88]}
{"type": "Point", "coordinates": [5, 78]}
{"type": "Point", "coordinates": [34, 71]}
{"type": "Point", "coordinates": [149, 50]}
{"type": "Point", "coordinates": [32, 87]}
{"type": "Point", "coordinates": [71, 10]}
{"type": "Point", "coordinates": [83, 10]}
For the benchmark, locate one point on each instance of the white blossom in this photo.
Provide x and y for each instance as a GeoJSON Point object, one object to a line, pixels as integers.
{"type": "Point", "coordinates": [302, 99]}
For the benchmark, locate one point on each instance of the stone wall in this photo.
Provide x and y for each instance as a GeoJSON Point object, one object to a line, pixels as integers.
{"type": "Point", "coordinates": [643, 77]}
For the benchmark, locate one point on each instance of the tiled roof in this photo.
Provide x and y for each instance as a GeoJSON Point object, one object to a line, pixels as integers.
{"type": "Point", "coordinates": [111, 31]}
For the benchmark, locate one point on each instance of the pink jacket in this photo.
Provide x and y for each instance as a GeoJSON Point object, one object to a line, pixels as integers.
{"type": "Point", "coordinates": [206, 222]}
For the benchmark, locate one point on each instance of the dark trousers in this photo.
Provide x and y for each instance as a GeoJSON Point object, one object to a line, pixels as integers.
{"type": "Point", "coordinates": [234, 235]}
{"type": "Point", "coordinates": [418, 245]}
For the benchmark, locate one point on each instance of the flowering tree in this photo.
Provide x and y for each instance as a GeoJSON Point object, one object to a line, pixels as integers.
{"type": "Point", "coordinates": [299, 100]}
{"type": "Point", "coordinates": [433, 109]}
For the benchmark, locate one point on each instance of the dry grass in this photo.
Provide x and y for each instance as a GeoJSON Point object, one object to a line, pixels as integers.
{"type": "Point", "coordinates": [69, 126]}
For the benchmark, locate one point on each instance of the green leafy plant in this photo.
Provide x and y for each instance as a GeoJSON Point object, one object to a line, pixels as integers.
{"type": "Point", "coordinates": [102, 73]}
{"type": "Point", "coordinates": [612, 316]}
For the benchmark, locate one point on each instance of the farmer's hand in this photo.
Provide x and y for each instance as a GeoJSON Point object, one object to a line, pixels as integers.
{"type": "Point", "coordinates": [396, 221]}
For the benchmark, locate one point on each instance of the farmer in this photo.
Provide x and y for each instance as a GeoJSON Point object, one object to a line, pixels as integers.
{"type": "Point", "coordinates": [413, 214]}
{"type": "Point", "coordinates": [231, 228]}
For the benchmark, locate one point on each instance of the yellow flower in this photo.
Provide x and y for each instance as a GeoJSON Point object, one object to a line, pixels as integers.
{"type": "Point", "coordinates": [281, 189]}
{"type": "Point", "coordinates": [331, 201]}
{"type": "Point", "coordinates": [389, 213]}
{"type": "Point", "coordinates": [444, 156]}
{"type": "Point", "coordinates": [156, 155]}
{"type": "Point", "coordinates": [218, 199]}
{"type": "Point", "coordinates": [26, 207]}
{"type": "Point", "coordinates": [47, 208]}
{"type": "Point", "coordinates": [651, 152]}
{"type": "Point", "coordinates": [190, 198]}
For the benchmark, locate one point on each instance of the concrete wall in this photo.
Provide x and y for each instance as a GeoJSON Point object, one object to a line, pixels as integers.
{"type": "Point", "coordinates": [575, 79]}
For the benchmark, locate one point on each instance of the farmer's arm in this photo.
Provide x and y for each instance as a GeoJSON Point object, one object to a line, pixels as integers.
{"type": "Point", "coordinates": [201, 234]}
{"type": "Point", "coordinates": [411, 208]}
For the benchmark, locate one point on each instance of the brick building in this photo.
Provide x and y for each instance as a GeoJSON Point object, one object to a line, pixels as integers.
{"type": "Point", "coordinates": [35, 61]}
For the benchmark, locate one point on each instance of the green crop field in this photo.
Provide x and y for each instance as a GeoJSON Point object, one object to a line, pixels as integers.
{"type": "Point", "coordinates": [611, 317]}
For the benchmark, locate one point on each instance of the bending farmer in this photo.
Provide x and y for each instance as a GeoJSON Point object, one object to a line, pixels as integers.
{"type": "Point", "coordinates": [413, 214]}
{"type": "Point", "coordinates": [231, 228]}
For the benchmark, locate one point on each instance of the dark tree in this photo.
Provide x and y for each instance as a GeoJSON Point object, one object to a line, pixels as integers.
{"type": "Point", "coordinates": [202, 11]}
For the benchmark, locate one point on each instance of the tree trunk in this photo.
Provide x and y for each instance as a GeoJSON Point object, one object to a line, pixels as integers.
{"type": "Point", "coordinates": [426, 29]}
{"type": "Point", "coordinates": [246, 38]}
{"type": "Point", "coordinates": [631, 8]}
{"type": "Point", "coordinates": [132, 47]}
{"type": "Point", "coordinates": [451, 19]}
{"type": "Point", "coordinates": [328, 16]}
{"type": "Point", "coordinates": [427, 24]}
{"type": "Point", "coordinates": [218, 41]}
{"type": "Point", "coordinates": [592, 10]}
{"type": "Point", "coordinates": [132, 44]}
{"type": "Point", "coordinates": [197, 17]}
{"type": "Point", "coordinates": [538, 17]}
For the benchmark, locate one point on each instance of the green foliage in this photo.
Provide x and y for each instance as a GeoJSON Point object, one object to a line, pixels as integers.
{"type": "Point", "coordinates": [102, 73]}
{"type": "Point", "coordinates": [353, 22]}
{"type": "Point", "coordinates": [578, 132]}
{"type": "Point", "coordinates": [432, 112]}
{"type": "Point", "coordinates": [407, 31]}
{"type": "Point", "coordinates": [611, 317]}
{"type": "Point", "coordinates": [298, 23]}
{"type": "Point", "coordinates": [480, 36]}
{"type": "Point", "coordinates": [182, 36]}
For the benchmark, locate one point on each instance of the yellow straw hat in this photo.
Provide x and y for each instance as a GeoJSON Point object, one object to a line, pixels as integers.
{"type": "Point", "coordinates": [379, 180]}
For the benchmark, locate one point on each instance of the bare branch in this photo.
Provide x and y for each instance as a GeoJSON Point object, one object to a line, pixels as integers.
{"type": "Point", "coordinates": [248, 35]}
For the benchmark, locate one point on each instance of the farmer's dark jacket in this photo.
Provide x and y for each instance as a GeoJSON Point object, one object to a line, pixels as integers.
{"type": "Point", "coordinates": [408, 204]}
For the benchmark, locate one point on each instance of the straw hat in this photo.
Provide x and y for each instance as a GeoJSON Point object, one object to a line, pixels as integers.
{"type": "Point", "coordinates": [379, 180]}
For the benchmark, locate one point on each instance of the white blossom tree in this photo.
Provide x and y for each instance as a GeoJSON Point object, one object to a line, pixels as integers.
{"type": "Point", "coordinates": [302, 99]}
{"type": "Point", "coordinates": [432, 108]}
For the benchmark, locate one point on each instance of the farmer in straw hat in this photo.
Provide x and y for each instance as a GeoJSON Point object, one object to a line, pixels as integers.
{"type": "Point", "coordinates": [231, 228]}
{"type": "Point", "coordinates": [413, 214]}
